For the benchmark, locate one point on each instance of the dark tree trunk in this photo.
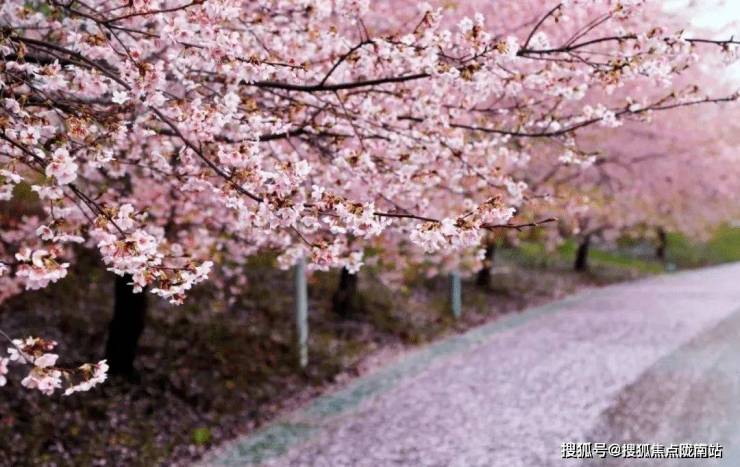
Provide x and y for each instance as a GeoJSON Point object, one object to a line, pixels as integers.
{"type": "Point", "coordinates": [346, 301]}
{"type": "Point", "coordinates": [660, 249]}
{"type": "Point", "coordinates": [484, 275]}
{"type": "Point", "coordinates": [581, 263]}
{"type": "Point", "coordinates": [129, 312]}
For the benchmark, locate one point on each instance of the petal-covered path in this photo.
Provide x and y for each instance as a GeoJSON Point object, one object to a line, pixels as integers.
{"type": "Point", "coordinates": [604, 365]}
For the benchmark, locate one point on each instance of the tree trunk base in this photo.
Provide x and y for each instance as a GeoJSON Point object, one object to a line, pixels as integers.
{"type": "Point", "coordinates": [660, 250]}
{"type": "Point", "coordinates": [581, 263]}
{"type": "Point", "coordinates": [124, 330]}
{"type": "Point", "coordinates": [347, 301]}
{"type": "Point", "coordinates": [483, 278]}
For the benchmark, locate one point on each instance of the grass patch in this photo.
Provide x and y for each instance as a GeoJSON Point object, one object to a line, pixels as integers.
{"type": "Point", "coordinates": [535, 255]}
{"type": "Point", "coordinates": [723, 247]}
{"type": "Point", "coordinates": [617, 259]}
{"type": "Point", "coordinates": [631, 255]}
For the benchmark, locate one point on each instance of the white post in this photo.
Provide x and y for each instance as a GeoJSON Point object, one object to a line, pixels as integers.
{"type": "Point", "coordinates": [455, 294]}
{"type": "Point", "coordinates": [301, 311]}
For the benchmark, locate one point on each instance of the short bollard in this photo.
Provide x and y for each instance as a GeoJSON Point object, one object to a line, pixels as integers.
{"type": "Point", "coordinates": [301, 311]}
{"type": "Point", "coordinates": [455, 295]}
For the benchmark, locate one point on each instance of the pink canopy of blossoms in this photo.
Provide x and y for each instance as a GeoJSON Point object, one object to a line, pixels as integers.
{"type": "Point", "coordinates": [175, 135]}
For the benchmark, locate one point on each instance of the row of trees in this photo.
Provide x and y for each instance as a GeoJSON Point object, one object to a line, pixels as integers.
{"type": "Point", "coordinates": [178, 138]}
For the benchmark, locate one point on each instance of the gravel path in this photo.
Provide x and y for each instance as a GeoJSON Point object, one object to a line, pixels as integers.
{"type": "Point", "coordinates": [509, 393]}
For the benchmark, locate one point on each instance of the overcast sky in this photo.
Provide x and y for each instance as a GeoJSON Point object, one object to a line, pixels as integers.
{"type": "Point", "coordinates": [722, 17]}
{"type": "Point", "coordinates": [711, 14]}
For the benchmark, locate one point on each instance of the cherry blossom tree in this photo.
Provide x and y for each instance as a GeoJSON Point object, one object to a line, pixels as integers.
{"type": "Point", "coordinates": [646, 178]}
{"type": "Point", "coordinates": [175, 135]}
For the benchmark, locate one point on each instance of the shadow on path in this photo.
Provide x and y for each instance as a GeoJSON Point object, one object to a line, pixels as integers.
{"type": "Point", "coordinates": [689, 396]}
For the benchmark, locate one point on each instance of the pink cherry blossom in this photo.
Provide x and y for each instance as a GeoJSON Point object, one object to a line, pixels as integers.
{"type": "Point", "coordinates": [44, 374]}
{"type": "Point", "coordinates": [178, 139]}
{"type": "Point", "coordinates": [3, 370]}
{"type": "Point", "coordinates": [62, 167]}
